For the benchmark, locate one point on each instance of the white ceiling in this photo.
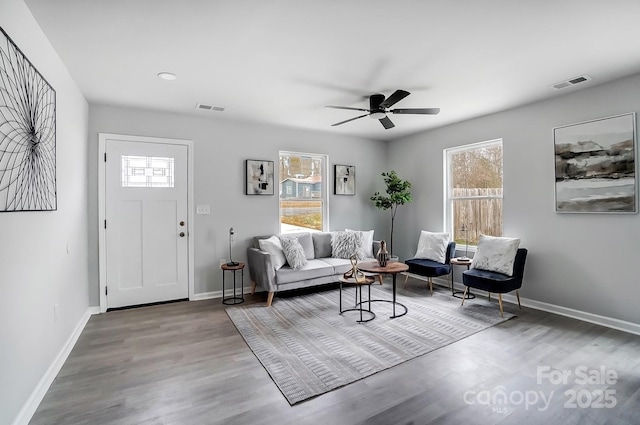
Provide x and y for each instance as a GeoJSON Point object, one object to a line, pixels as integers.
{"type": "Point", "coordinates": [282, 61]}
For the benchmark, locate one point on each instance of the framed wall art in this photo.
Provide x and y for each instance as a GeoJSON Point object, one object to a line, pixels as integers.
{"type": "Point", "coordinates": [596, 166]}
{"type": "Point", "coordinates": [259, 177]}
{"type": "Point", "coordinates": [27, 134]}
{"type": "Point", "coordinates": [344, 180]}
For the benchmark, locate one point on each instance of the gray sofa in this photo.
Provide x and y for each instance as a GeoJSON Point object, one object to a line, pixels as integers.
{"type": "Point", "coordinates": [321, 267]}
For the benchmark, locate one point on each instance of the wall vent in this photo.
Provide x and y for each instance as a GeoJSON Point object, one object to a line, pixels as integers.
{"type": "Point", "coordinates": [571, 82]}
{"type": "Point", "coordinates": [209, 107]}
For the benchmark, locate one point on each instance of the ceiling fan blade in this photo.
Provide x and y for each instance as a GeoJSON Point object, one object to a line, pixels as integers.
{"type": "Point", "coordinates": [397, 96]}
{"type": "Point", "coordinates": [350, 119]}
{"type": "Point", "coordinates": [386, 122]}
{"type": "Point", "coordinates": [347, 107]}
{"type": "Point", "coordinates": [426, 111]}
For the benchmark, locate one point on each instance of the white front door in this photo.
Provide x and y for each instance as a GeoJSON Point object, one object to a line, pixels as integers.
{"type": "Point", "coordinates": [145, 222]}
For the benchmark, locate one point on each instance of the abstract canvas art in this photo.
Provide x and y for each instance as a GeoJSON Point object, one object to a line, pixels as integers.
{"type": "Point", "coordinates": [27, 133]}
{"type": "Point", "coordinates": [596, 166]}
{"type": "Point", "coordinates": [259, 177]}
{"type": "Point", "coordinates": [344, 180]}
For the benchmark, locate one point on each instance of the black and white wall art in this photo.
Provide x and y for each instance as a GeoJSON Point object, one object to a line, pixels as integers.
{"type": "Point", "coordinates": [27, 134]}
{"type": "Point", "coordinates": [344, 180]}
{"type": "Point", "coordinates": [259, 177]}
{"type": "Point", "coordinates": [596, 166]}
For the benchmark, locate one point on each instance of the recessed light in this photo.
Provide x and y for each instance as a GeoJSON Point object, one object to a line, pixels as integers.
{"type": "Point", "coordinates": [167, 76]}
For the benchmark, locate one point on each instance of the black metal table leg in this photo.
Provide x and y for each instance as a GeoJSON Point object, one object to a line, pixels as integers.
{"type": "Point", "coordinates": [235, 299]}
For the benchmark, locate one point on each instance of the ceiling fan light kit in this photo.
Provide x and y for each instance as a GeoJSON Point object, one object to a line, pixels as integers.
{"type": "Point", "coordinates": [379, 108]}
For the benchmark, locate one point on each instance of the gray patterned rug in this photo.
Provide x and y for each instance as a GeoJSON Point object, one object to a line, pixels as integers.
{"type": "Point", "coordinates": [309, 349]}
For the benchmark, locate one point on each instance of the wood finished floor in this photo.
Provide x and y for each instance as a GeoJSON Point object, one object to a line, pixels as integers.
{"type": "Point", "coordinates": [185, 363]}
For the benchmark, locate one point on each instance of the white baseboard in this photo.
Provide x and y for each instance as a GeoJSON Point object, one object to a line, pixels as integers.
{"type": "Point", "coordinates": [32, 403]}
{"type": "Point", "coordinates": [609, 322]}
{"type": "Point", "coordinates": [215, 294]}
{"type": "Point", "coordinates": [597, 319]}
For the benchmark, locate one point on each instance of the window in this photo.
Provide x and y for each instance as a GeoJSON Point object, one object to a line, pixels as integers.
{"type": "Point", "coordinates": [473, 196]}
{"type": "Point", "coordinates": [303, 192]}
{"type": "Point", "coordinates": [147, 171]}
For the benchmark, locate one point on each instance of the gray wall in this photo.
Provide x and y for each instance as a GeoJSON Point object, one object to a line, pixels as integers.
{"type": "Point", "coordinates": [579, 261]}
{"type": "Point", "coordinates": [221, 146]}
{"type": "Point", "coordinates": [43, 255]}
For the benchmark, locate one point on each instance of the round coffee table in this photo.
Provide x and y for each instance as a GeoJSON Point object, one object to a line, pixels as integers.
{"type": "Point", "coordinates": [392, 268]}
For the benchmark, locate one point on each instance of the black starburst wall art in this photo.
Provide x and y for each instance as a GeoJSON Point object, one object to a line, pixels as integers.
{"type": "Point", "coordinates": [27, 134]}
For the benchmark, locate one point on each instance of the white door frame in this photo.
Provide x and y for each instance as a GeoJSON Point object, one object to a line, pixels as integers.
{"type": "Point", "coordinates": [102, 247]}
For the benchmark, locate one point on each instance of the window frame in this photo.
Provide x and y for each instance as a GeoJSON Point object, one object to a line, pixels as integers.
{"type": "Point", "coordinates": [448, 184]}
{"type": "Point", "coordinates": [324, 190]}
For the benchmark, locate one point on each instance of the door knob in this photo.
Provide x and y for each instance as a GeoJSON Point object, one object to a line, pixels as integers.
{"type": "Point", "coordinates": [182, 234]}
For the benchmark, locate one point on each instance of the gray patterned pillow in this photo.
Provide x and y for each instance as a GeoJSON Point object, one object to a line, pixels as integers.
{"type": "Point", "coordinates": [293, 252]}
{"type": "Point", "coordinates": [347, 244]}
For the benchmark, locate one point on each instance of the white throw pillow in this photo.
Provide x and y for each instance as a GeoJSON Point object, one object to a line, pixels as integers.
{"type": "Point", "coordinates": [273, 247]}
{"type": "Point", "coordinates": [367, 244]}
{"type": "Point", "coordinates": [432, 246]}
{"type": "Point", "coordinates": [347, 244]}
{"type": "Point", "coordinates": [496, 254]}
{"type": "Point", "coordinates": [293, 252]}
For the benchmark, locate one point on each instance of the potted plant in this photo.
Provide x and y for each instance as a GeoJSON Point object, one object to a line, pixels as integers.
{"type": "Point", "coordinates": [398, 193]}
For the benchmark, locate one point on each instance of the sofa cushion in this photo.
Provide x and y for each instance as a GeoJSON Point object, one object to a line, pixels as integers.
{"type": "Point", "coordinates": [305, 240]}
{"type": "Point", "coordinates": [428, 268]}
{"type": "Point", "coordinates": [321, 244]}
{"type": "Point", "coordinates": [347, 244]}
{"type": "Point", "coordinates": [293, 252]}
{"type": "Point", "coordinates": [313, 269]}
{"type": "Point", "coordinates": [490, 281]}
{"type": "Point", "coordinates": [340, 265]}
{"type": "Point", "coordinates": [256, 240]}
{"type": "Point", "coordinates": [367, 243]}
{"type": "Point", "coordinates": [273, 246]}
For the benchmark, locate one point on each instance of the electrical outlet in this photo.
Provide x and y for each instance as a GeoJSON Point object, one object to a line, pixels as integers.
{"type": "Point", "coordinates": [56, 308]}
{"type": "Point", "coordinates": [203, 209]}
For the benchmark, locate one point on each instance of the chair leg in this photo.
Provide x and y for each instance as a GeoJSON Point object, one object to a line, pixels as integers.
{"type": "Point", "coordinates": [500, 302]}
{"type": "Point", "coordinates": [489, 295]}
{"type": "Point", "coordinates": [431, 286]}
{"type": "Point", "coordinates": [466, 289]}
{"type": "Point", "coordinates": [518, 296]}
{"type": "Point", "coordinates": [253, 287]}
{"type": "Point", "coordinates": [270, 299]}
{"type": "Point", "coordinates": [406, 277]}
{"type": "Point", "coordinates": [380, 278]}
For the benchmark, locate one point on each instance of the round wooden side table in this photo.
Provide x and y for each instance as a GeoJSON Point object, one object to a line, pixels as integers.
{"type": "Point", "coordinates": [351, 281]}
{"type": "Point", "coordinates": [460, 262]}
{"type": "Point", "coordinates": [235, 299]}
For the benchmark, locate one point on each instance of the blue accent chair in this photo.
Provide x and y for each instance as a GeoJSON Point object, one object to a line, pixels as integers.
{"type": "Point", "coordinates": [495, 282]}
{"type": "Point", "coordinates": [430, 268]}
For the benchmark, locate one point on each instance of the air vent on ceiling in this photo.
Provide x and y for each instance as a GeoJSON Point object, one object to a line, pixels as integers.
{"type": "Point", "coordinates": [571, 82]}
{"type": "Point", "coordinates": [209, 107]}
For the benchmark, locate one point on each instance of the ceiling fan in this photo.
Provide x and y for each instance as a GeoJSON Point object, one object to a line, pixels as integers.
{"type": "Point", "coordinates": [379, 108]}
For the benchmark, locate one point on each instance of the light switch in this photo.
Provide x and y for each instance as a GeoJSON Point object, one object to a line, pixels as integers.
{"type": "Point", "coordinates": [203, 209]}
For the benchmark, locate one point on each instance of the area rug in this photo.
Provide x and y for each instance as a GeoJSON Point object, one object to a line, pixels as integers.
{"type": "Point", "coordinates": [308, 348]}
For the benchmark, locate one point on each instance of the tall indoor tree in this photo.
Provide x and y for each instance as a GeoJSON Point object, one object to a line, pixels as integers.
{"type": "Point", "coordinates": [397, 193]}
